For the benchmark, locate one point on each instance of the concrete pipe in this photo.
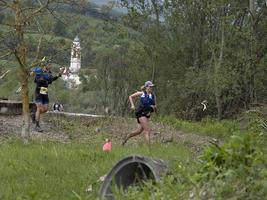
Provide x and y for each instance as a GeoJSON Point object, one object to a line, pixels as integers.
{"type": "Point", "coordinates": [132, 171]}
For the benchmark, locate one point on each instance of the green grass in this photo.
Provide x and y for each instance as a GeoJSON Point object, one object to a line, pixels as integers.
{"type": "Point", "coordinates": [64, 170]}
{"type": "Point", "coordinates": [51, 170]}
{"type": "Point", "coordinates": [210, 127]}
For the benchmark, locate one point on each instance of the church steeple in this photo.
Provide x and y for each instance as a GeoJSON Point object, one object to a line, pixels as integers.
{"type": "Point", "coordinates": [72, 76]}
{"type": "Point", "coordinates": [75, 60]}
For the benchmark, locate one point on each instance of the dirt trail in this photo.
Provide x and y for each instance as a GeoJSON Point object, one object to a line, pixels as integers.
{"type": "Point", "coordinates": [66, 129]}
{"type": "Point", "coordinates": [160, 133]}
{"type": "Point", "coordinates": [10, 126]}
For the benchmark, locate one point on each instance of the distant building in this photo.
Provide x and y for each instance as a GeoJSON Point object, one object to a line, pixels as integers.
{"type": "Point", "coordinates": [75, 60]}
{"type": "Point", "coordinates": [71, 75]}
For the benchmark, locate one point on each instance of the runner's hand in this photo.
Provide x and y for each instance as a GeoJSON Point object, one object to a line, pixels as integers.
{"type": "Point", "coordinates": [61, 70]}
{"type": "Point", "coordinates": [133, 108]}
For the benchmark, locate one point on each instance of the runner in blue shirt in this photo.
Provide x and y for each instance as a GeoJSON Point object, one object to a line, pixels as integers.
{"type": "Point", "coordinates": [43, 78]}
{"type": "Point", "coordinates": [147, 105]}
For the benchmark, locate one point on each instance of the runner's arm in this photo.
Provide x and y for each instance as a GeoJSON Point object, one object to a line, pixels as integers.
{"type": "Point", "coordinates": [155, 104]}
{"type": "Point", "coordinates": [53, 78]}
{"type": "Point", "coordinates": [136, 94]}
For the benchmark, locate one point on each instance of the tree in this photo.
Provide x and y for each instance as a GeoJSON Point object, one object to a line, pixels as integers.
{"type": "Point", "coordinates": [203, 50]}
{"type": "Point", "coordinates": [60, 28]}
{"type": "Point", "coordinates": [23, 14]}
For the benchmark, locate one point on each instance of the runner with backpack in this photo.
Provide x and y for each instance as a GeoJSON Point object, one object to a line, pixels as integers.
{"type": "Point", "coordinates": [147, 105]}
{"type": "Point", "coordinates": [43, 78]}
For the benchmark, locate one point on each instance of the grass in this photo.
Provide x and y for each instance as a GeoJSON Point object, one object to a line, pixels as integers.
{"type": "Point", "coordinates": [52, 170]}
{"type": "Point", "coordinates": [64, 170]}
{"type": "Point", "coordinates": [210, 127]}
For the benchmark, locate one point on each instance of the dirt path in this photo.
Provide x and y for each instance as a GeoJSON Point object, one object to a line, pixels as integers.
{"type": "Point", "coordinates": [66, 129]}
{"type": "Point", "coordinates": [10, 126]}
{"type": "Point", "coordinates": [160, 133]}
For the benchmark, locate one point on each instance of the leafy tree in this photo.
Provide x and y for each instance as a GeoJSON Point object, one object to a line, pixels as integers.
{"type": "Point", "coordinates": [59, 28]}
{"type": "Point", "coordinates": [203, 50]}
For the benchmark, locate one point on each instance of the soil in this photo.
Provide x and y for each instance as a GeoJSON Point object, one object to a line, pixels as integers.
{"type": "Point", "coordinates": [10, 126]}
{"type": "Point", "coordinates": [58, 128]}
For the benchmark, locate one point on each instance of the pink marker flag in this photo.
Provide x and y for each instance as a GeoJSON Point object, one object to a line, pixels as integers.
{"type": "Point", "coordinates": [107, 146]}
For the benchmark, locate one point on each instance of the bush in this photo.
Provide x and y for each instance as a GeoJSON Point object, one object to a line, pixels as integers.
{"type": "Point", "coordinates": [235, 170]}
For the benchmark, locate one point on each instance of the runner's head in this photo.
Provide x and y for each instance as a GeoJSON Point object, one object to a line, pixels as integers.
{"type": "Point", "coordinates": [149, 86]}
{"type": "Point", "coordinates": [47, 66]}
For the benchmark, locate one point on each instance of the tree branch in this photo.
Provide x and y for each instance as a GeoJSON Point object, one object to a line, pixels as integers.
{"type": "Point", "coordinates": [18, 59]}
{"type": "Point", "coordinates": [2, 76]}
{"type": "Point", "coordinates": [40, 9]}
{"type": "Point", "coordinates": [9, 53]}
{"type": "Point", "coordinates": [38, 49]}
{"type": "Point", "coordinates": [3, 3]}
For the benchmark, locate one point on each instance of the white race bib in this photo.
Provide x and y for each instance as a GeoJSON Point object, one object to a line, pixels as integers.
{"type": "Point", "coordinates": [43, 90]}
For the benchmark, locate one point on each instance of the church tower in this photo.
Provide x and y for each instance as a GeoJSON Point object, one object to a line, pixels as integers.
{"type": "Point", "coordinates": [71, 76]}
{"type": "Point", "coordinates": [75, 60]}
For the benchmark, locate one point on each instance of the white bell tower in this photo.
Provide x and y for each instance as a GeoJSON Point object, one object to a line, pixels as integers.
{"type": "Point", "coordinates": [75, 60]}
{"type": "Point", "coordinates": [72, 76]}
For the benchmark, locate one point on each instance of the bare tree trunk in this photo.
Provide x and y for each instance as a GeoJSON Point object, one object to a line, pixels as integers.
{"type": "Point", "coordinates": [155, 57]}
{"type": "Point", "coordinates": [217, 83]}
{"type": "Point", "coordinates": [25, 133]}
{"type": "Point", "coordinates": [20, 53]}
{"type": "Point", "coordinates": [251, 77]}
{"type": "Point", "coordinates": [153, 68]}
{"type": "Point", "coordinates": [252, 6]}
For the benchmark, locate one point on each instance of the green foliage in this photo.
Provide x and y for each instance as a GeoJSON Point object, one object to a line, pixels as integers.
{"type": "Point", "coordinates": [193, 50]}
{"type": "Point", "coordinates": [59, 28]}
{"type": "Point", "coordinates": [257, 120]}
{"type": "Point", "coordinates": [235, 170]}
{"type": "Point", "coordinates": [200, 51]}
{"type": "Point", "coordinates": [6, 64]}
{"type": "Point", "coordinates": [214, 128]}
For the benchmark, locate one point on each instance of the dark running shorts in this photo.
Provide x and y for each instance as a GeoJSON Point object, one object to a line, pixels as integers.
{"type": "Point", "coordinates": [41, 99]}
{"type": "Point", "coordinates": [143, 112]}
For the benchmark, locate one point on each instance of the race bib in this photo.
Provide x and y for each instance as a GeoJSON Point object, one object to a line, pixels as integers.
{"type": "Point", "coordinates": [43, 90]}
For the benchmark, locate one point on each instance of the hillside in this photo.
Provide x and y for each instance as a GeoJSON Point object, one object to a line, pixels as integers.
{"type": "Point", "coordinates": [97, 32]}
{"type": "Point", "coordinates": [196, 54]}
{"type": "Point", "coordinates": [87, 129]}
{"type": "Point", "coordinates": [67, 161]}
